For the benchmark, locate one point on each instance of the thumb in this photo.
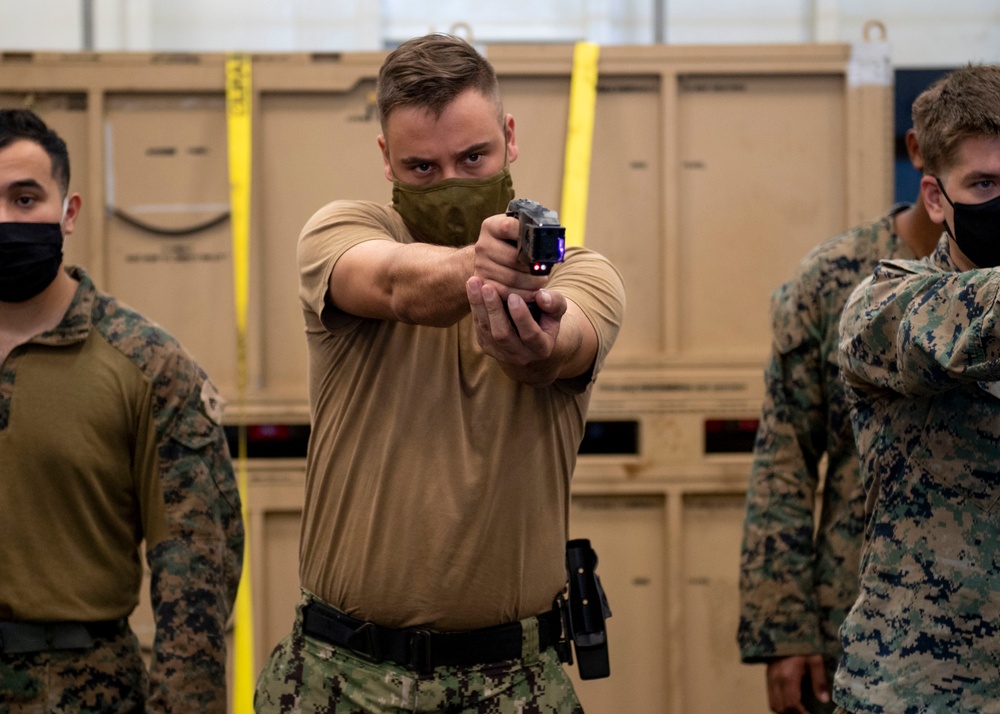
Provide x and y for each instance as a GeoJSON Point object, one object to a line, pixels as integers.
{"type": "Point", "coordinates": [817, 673]}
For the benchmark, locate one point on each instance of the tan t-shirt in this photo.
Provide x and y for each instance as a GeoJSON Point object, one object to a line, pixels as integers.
{"type": "Point", "coordinates": [437, 489]}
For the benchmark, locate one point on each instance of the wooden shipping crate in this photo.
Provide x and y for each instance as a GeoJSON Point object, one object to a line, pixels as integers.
{"type": "Point", "coordinates": [714, 170]}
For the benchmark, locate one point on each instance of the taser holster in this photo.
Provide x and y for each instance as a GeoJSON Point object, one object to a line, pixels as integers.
{"type": "Point", "coordinates": [584, 612]}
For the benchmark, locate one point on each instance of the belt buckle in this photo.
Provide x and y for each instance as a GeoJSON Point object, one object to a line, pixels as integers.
{"type": "Point", "coordinates": [366, 635]}
{"type": "Point", "coordinates": [70, 636]}
{"type": "Point", "coordinates": [419, 646]}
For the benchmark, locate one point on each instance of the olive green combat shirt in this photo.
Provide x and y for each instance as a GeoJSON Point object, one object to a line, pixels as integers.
{"type": "Point", "coordinates": [920, 351]}
{"type": "Point", "coordinates": [110, 435]}
{"type": "Point", "coordinates": [799, 563]}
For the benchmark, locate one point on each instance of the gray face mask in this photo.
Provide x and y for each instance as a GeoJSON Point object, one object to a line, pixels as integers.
{"type": "Point", "coordinates": [30, 256]}
{"type": "Point", "coordinates": [451, 212]}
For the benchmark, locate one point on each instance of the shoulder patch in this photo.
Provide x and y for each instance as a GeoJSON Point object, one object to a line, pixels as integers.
{"type": "Point", "coordinates": [212, 403]}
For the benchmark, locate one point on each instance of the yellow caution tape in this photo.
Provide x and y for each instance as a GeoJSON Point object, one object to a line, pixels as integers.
{"type": "Point", "coordinates": [239, 107]}
{"type": "Point", "coordinates": [579, 142]}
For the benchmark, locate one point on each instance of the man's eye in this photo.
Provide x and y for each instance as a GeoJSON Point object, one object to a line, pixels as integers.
{"type": "Point", "coordinates": [422, 168]}
{"type": "Point", "coordinates": [474, 158]}
{"type": "Point", "coordinates": [24, 201]}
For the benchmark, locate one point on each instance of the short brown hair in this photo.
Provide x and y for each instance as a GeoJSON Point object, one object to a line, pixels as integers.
{"type": "Point", "coordinates": [429, 72]}
{"type": "Point", "coordinates": [962, 104]}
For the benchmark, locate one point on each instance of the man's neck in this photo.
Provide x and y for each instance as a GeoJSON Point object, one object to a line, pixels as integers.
{"type": "Point", "coordinates": [20, 321]}
{"type": "Point", "coordinates": [917, 230]}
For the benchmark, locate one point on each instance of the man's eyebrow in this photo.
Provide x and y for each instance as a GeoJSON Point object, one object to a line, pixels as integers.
{"type": "Point", "coordinates": [413, 160]}
{"type": "Point", "coordinates": [476, 148]}
{"type": "Point", "coordinates": [26, 183]}
{"type": "Point", "coordinates": [980, 175]}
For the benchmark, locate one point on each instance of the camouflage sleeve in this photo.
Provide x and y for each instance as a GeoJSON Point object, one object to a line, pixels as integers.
{"type": "Point", "coordinates": [196, 564]}
{"type": "Point", "coordinates": [778, 610]}
{"type": "Point", "coordinates": [918, 333]}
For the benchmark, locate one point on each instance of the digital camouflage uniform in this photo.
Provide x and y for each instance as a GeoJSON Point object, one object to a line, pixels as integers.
{"type": "Point", "coordinates": [921, 354]}
{"type": "Point", "coordinates": [796, 587]}
{"type": "Point", "coordinates": [196, 562]}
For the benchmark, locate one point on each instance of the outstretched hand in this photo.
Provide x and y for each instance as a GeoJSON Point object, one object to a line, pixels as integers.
{"type": "Point", "coordinates": [517, 340]}
{"type": "Point", "coordinates": [495, 260]}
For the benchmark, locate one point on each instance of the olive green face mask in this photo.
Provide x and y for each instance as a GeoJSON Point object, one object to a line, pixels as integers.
{"type": "Point", "coordinates": [452, 211]}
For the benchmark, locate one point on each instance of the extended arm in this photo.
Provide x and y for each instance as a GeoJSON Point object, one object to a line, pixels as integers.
{"type": "Point", "coordinates": [424, 284]}
{"type": "Point", "coordinates": [918, 334]}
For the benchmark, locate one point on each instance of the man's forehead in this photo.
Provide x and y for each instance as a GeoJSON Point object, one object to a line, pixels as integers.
{"type": "Point", "coordinates": [978, 155]}
{"type": "Point", "coordinates": [23, 160]}
{"type": "Point", "coordinates": [423, 139]}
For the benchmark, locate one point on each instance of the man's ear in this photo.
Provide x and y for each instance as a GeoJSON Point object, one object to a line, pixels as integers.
{"type": "Point", "coordinates": [73, 204]}
{"type": "Point", "coordinates": [508, 126]}
{"type": "Point", "coordinates": [385, 157]}
{"type": "Point", "coordinates": [913, 149]}
{"type": "Point", "coordinates": [934, 200]}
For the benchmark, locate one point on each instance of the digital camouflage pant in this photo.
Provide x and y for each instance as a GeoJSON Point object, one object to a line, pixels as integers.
{"type": "Point", "coordinates": [307, 676]}
{"type": "Point", "coordinates": [108, 678]}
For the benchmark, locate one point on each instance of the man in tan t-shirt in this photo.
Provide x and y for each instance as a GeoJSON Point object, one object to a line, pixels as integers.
{"type": "Point", "coordinates": [445, 419]}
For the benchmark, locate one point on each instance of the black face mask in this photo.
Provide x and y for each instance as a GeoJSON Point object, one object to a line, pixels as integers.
{"type": "Point", "coordinates": [30, 256]}
{"type": "Point", "coordinates": [977, 229]}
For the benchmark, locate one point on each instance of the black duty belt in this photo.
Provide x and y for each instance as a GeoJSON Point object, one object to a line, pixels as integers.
{"type": "Point", "coordinates": [423, 650]}
{"type": "Point", "coordinates": [27, 637]}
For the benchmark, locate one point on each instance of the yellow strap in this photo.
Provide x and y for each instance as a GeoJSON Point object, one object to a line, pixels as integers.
{"type": "Point", "coordinates": [239, 106]}
{"type": "Point", "coordinates": [579, 141]}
